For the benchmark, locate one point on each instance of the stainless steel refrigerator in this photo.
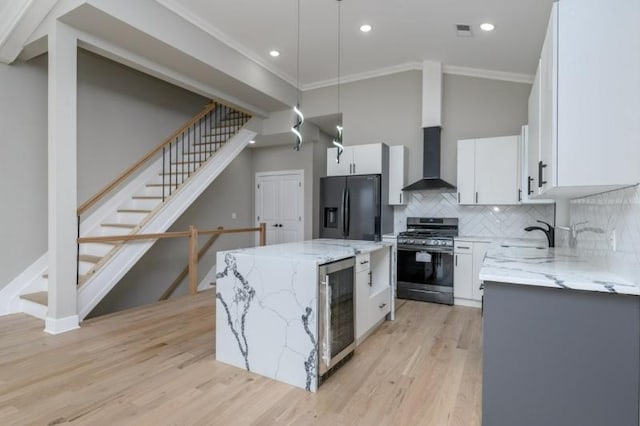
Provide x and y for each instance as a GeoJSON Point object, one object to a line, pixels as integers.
{"type": "Point", "coordinates": [354, 207]}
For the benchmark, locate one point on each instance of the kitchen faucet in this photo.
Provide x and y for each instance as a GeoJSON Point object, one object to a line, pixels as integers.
{"type": "Point", "coordinates": [574, 232]}
{"type": "Point", "coordinates": [549, 232]}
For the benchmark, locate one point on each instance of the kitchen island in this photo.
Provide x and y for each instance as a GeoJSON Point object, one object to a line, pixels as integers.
{"type": "Point", "coordinates": [267, 304]}
{"type": "Point", "coordinates": [561, 340]}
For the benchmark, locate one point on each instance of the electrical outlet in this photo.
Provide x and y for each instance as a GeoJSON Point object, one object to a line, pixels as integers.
{"type": "Point", "coordinates": [234, 216]}
{"type": "Point", "coordinates": [613, 240]}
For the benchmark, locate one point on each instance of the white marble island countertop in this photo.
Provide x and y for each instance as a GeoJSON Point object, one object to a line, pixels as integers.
{"type": "Point", "coordinates": [552, 267]}
{"type": "Point", "coordinates": [319, 251]}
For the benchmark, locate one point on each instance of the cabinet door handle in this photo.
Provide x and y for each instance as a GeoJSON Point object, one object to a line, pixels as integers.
{"type": "Point", "coordinates": [364, 262]}
{"type": "Point", "coordinates": [458, 198]}
{"type": "Point", "coordinates": [476, 198]}
{"type": "Point", "coordinates": [401, 198]}
{"type": "Point", "coordinates": [541, 167]}
{"type": "Point", "coordinates": [529, 190]}
{"type": "Point", "coordinates": [382, 305]}
{"type": "Point", "coordinates": [370, 283]}
{"type": "Point", "coordinates": [354, 168]}
{"type": "Point", "coordinates": [464, 247]}
{"type": "Point", "coordinates": [519, 195]}
{"type": "Point", "coordinates": [456, 260]}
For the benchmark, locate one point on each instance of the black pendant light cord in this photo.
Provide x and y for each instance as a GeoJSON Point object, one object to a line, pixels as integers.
{"type": "Point", "coordinates": [338, 140]}
{"type": "Point", "coordinates": [299, 117]}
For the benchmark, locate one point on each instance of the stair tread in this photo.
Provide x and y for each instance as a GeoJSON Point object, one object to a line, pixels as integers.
{"type": "Point", "coordinates": [119, 225]}
{"type": "Point", "coordinates": [136, 210]}
{"type": "Point", "coordinates": [41, 297]}
{"type": "Point", "coordinates": [186, 162]}
{"type": "Point", "coordinates": [89, 258]}
{"type": "Point", "coordinates": [147, 197]}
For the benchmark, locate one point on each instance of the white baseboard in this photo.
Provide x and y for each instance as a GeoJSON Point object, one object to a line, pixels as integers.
{"type": "Point", "coordinates": [467, 302]}
{"type": "Point", "coordinates": [61, 325]}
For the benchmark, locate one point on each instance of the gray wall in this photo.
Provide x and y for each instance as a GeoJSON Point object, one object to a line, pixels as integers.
{"type": "Point", "coordinates": [478, 107]}
{"type": "Point", "coordinates": [388, 109]}
{"type": "Point", "coordinates": [382, 109]}
{"type": "Point", "coordinates": [122, 114]}
{"type": "Point", "coordinates": [23, 165]}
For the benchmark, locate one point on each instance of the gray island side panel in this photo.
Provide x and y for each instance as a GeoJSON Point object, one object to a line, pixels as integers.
{"type": "Point", "coordinates": [559, 357]}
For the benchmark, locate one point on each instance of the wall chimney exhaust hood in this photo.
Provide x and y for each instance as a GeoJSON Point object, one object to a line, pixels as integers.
{"type": "Point", "coordinates": [430, 163]}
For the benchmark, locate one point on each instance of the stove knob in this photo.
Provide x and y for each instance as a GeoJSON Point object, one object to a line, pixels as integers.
{"type": "Point", "coordinates": [412, 241]}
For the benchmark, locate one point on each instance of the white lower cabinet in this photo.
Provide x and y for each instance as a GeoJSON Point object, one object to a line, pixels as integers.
{"type": "Point", "coordinates": [373, 291]}
{"type": "Point", "coordinates": [468, 257]}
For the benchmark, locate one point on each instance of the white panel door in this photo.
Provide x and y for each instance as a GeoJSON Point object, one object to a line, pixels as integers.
{"type": "Point", "coordinates": [280, 205]}
{"type": "Point", "coordinates": [290, 214]}
{"type": "Point", "coordinates": [497, 170]}
{"type": "Point", "coordinates": [466, 171]}
{"type": "Point", "coordinates": [267, 206]}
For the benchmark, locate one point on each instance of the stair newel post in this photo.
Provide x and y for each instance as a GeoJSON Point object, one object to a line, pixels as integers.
{"type": "Point", "coordinates": [193, 260]}
{"type": "Point", "coordinates": [263, 234]}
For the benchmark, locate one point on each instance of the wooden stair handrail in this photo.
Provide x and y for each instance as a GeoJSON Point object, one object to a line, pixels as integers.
{"type": "Point", "coordinates": [164, 235]}
{"type": "Point", "coordinates": [185, 271]}
{"type": "Point", "coordinates": [127, 173]}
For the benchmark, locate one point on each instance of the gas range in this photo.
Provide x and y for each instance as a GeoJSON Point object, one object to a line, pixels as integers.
{"type": "Point", "coordinates": [425, 259]}
{"type": "Point", "coordinates": [424, 232]}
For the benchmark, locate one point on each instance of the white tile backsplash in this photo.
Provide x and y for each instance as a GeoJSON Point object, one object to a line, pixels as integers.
{"type": "Point", "coordinates": [480, 221]}
{"type": "Point", "coordinates": [615, 212]}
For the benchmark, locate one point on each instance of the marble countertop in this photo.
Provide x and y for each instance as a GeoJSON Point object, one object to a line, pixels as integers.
{"type": "Point", "coordinates": [562, 268]}
{"type": "Point", "coordinates": [523, 242]}
{"type": "Point", "coordinates": [319, 251]}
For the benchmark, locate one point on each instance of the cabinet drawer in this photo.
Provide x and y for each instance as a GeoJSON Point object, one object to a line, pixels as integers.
{"type": "Point", "coordinates": [379, 305]}
{"type": "Point", "coordinates": [363, 262]}
{"type": "Point", "coordinates": [463, 247]}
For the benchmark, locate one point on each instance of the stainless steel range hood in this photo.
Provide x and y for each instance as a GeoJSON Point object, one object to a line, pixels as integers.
{"type": "Point", "coordinates": [430, 163]}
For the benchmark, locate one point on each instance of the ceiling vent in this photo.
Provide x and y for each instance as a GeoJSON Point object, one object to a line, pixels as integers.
{"type": "Point", "coordinates": [463, 30]}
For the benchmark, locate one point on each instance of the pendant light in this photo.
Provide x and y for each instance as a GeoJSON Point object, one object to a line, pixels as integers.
{"type": "Point", "coordinates": [337, 141]}
{"type": "Point", "coordinates": [299, 117]}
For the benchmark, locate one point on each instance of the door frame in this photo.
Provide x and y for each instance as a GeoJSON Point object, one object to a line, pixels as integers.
{"type": "Point", "coordinates": [259, 176]}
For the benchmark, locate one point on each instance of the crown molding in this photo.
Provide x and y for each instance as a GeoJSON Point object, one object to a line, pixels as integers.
{"type": "Point", "coordinates": [214, 31]}
{"type": "Point", "coordinates": [489, 74]}
{"type": "Point", "coordinates": [380, 72]}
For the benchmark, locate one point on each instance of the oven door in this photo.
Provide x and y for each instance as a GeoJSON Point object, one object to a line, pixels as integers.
{"type": "Point", "coordinates": [425, 274]}
{"type": "Point", "coordinates": [336, 312]}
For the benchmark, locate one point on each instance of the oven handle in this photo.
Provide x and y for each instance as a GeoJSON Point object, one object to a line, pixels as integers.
{"type": "Point", "coordinates": [428, 250]}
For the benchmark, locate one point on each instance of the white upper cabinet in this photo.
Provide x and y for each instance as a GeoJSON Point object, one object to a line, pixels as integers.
{"type": "Point", "coordinates": [589, 94]}
{"type": "Point", "coordinates": [345, 165]}
{"type": "Point", "coordinates": [528, 186]}
{"type": "Point", "coordinates": [356, 160]}
{"type": "Point", "coordinates": [397, 174]}
{"type": "Point", "coordinates": [488, 171]}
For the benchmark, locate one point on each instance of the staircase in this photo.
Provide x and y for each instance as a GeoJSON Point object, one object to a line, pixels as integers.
{"type": "Point", "coordinates": [147, 198]}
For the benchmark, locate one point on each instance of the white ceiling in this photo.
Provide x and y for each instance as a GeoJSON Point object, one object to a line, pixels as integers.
{"type": "Point", "coordinates": [404, 32]}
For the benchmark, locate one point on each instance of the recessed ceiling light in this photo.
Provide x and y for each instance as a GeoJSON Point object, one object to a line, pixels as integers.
{"type": "Point", "coordinates": [274, 53]}
{"type": "Point", "coordinates": [487, 27]}
{"type": "Point", "coordinates": [366, 28]}
{"type": "Point", "coordinates": [252, 141]}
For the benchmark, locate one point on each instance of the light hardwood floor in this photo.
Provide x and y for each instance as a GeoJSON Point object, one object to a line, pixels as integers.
{"type": "Point", "coordinates": [155, 366]}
